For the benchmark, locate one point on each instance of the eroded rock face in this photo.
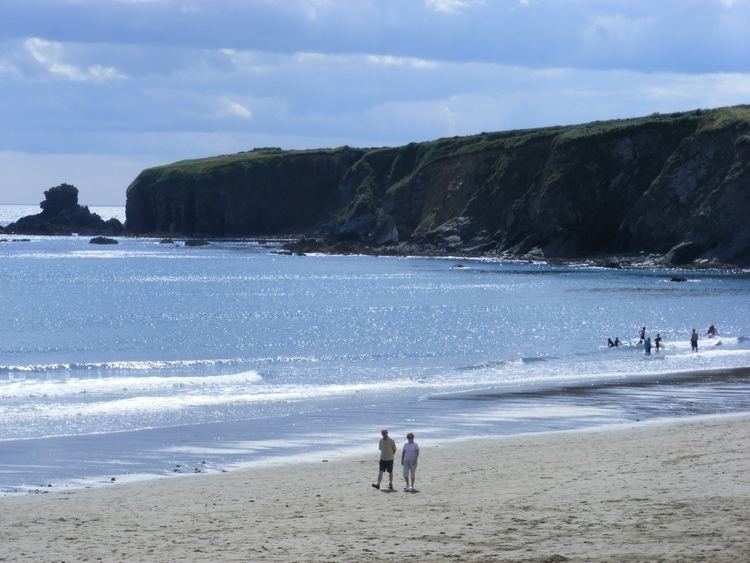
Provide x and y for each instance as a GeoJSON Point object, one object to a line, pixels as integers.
{"type": "Point", "coordinates": [61, 215]}
{"type": "Point", "coordinates": [628, 187]}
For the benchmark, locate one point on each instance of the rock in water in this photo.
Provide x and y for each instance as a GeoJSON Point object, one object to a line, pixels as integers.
{"type": "Point", "coordinates": [62, 215]}
{"type": "Point", "coordinates": [102, 240]}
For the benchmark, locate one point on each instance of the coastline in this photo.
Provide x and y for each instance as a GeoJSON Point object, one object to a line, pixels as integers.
{"type": "Point", "coordinates": [676, 489]}
{"type": "Point", "coordinates": [300, 245]}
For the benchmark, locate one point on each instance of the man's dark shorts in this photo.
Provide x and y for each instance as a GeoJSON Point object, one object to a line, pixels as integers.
{"type": "Point", "coordinates": [386, 466]}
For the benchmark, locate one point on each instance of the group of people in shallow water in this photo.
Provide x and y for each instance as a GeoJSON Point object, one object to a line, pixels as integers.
{"type": "Point", "coordinates": [645, 341]}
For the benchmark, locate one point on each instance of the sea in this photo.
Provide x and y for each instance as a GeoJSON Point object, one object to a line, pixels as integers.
{"type": "Point", "coordinates": [147, 360]}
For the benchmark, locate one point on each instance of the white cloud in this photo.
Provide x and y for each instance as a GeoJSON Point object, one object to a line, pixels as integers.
{"type": "Point", "coordinates": [51, 55]}
{"type": "Point", "coordinates": [232, 108]}
{"type": "Point", "coordinates": [314, 57]}
{"type": "Point", "coordinates": [452, 6]}
{"type": "Point", "coordinates": [388, 60]}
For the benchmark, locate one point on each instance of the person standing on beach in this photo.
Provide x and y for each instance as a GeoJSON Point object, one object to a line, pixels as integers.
{"type": "Point", "coordinates": [387, 453]}
{"type": "Point", "coordinates": [694, 341]}
{"type": "Point", "coordinates": [642, 335]}
{"type": "Point", "coordinates": [409, 457]}
{"type": "Point", "coordinates": [657, 342]}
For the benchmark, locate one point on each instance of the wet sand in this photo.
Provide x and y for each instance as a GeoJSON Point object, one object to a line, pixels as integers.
{"type": "Point", "coordinates": [668, 490]}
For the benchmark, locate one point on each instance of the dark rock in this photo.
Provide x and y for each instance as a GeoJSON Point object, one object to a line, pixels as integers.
{"type": "Point", "coordinates": [62, 215]}
{"type": "Point", "coordinates": [166, 241]}
{"type": "Point", "coordinates": [678, 279]}
{"type": "Point", "coordinates": [102, 240]}
{"type": "Point", "coordinates": [196, 242]}
{"type": "Point", "coordinates": [635, 187]}
{"type": "Point", "coordinates": [683, 253]}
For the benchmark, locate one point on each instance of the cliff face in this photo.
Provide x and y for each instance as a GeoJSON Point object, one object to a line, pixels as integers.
{"type": "Point", "coordinates": [616, 187]}
{"type": "Point", "coordinates": [259, 192]}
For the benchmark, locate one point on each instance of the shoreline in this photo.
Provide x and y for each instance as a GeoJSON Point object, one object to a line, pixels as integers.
{"type": "Point", "coordinates": [546, 391]}
{"type": "Point", "coordinates": [676, 489]}
{"type": "Point", "coordinates": [300, 245]}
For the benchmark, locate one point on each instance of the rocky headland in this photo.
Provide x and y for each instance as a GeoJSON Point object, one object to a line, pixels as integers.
{"type": "Point", "coordinates": [671, 186]}
{"type": "Point", "coordinates": [62, 215]}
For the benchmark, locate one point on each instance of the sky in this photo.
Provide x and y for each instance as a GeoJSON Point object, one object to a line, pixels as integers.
{"type": "Point", "coordinates": [94, 91]}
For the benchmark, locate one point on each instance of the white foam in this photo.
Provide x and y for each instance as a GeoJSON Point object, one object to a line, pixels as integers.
{"type": "Point", "coordinates": [538, 411]}
{"type": "Point", "coordinates": [16, 388]}
{"type": "Point", "coordinates": [132, 365]}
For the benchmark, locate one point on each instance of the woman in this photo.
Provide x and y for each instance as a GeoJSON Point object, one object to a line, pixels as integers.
{"type": "Point", "coordinates": [409, 457]}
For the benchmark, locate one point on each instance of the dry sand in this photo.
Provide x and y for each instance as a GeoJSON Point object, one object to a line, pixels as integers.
{"type": "Point", "coordinates": [669, 491]}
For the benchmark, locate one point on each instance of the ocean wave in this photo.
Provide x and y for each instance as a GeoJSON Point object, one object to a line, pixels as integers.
{"type": "Point", "coordinates": [489, 364]}
{"type": "Point", "coordinates": [128, 365]}
{"type": "Point", "coordinates": [186, 398]}
{"type": "Point", "coordinates": [60, 388]}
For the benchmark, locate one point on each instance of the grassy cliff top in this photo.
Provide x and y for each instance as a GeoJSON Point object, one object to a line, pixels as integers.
{"type": "Point", "coordinates": [257, 155]}
{"type": "Point", "coordinates": [704, 120]}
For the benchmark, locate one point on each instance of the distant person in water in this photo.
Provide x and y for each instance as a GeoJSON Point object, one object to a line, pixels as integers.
{"type": "Point", "coordinates": [694, 341]}
{"type": "Point", "coordinates": [642, 335]}
{"type": "Point", "coordinates": [712, 332]}
{"type": "Point", "coordinates": [610, 343]}
{"type": "Point", "coordinates": [409, 458]}
{"type": "Point", "coordinates": [657, 342]}
{"type": "Point", "coordinates": [647, 346]}
{"type": "Point", "coordinates": [617, 341]}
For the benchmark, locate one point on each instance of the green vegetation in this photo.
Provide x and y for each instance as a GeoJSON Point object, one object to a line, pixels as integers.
{"type": "Point", "coordinates": [725, 118]}
{"type": "Point", "coordinates": [426, 152]}
{"type": "Point", "coordinates": [559, 189]}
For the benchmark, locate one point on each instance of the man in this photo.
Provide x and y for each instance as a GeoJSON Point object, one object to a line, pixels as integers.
{"type": "Point", "coordinates": [387, 453]}
{"type": "Point", "coordinates": [694, 341]}
{"type": "Point", "coordinates": [409, 457]}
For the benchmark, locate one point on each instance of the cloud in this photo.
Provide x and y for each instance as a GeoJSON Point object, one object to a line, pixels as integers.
{"type": "Point", "coordinates": [51, 54]}
{"type": "Point", "coordinates": [452, 6]}
{"type": "Point", "coordinates": [232, 108]}
{"type": "Point", "coordinates": [389, 60]}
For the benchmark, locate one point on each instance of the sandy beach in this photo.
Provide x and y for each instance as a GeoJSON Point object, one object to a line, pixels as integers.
{"type": "Point", "coordinates": [653, 491]}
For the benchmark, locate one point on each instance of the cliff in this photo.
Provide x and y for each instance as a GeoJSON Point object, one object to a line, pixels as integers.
{"type": "Point", "coordinates": [676, 184]}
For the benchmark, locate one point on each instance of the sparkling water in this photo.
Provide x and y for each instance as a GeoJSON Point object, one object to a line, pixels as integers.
{"type": "Point", "coordinates": [159, 359]}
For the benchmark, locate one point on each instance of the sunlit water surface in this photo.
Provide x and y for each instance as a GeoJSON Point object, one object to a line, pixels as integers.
{"type": "Point", "coordinates": [157, 359]}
